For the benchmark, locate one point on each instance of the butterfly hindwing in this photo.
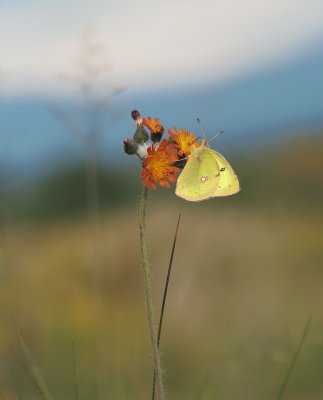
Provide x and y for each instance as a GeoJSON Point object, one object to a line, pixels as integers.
{"type": "Point", "coordinates": [229, 183]}
{"type": "Point", "coordinates": [200, 176]}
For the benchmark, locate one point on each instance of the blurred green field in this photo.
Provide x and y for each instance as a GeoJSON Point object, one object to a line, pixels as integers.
{"type": "Point", "coordinates": [247, 273]}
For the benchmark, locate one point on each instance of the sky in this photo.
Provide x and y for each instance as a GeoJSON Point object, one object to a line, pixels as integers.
{"type": "Point", "coordinates": [147, 44]}
{"type": "Point", "coordinates": [252, 68]}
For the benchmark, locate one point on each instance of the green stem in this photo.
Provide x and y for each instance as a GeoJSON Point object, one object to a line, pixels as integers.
{"type": "Point", "coordinates": [147, 280]}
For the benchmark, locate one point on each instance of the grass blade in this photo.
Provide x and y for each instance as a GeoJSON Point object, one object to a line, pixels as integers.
{"type": "Point", "coordinates": [294, 359]}
{"type": "Point", "coordinates": [161, 318]}
{"type": "Point", "coordinates": [34, 372]}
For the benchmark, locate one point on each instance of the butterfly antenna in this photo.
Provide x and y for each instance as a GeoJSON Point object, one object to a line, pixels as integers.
{"type": "Point", "coordinates": [203, 132]}
{"type": "Point", "coordinates": [215, 136]}
{"type": "Point", "coordinates": [201, 127]}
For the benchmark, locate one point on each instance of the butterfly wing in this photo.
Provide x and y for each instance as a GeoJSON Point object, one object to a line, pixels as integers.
{"type": "Point", "coordinates": [200, 176]}
{"type": "Point", "coordinates": [229, 182]}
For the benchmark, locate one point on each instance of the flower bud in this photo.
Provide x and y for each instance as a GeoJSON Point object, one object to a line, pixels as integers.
{"type": "Point", "coordinates": [130, 146]}
{"type": "Point", "coordinates": [141, 136]}
{"type": "Point", "coordinates": [137, 117]}
{"type": "Point", "coordinates": [135, 114]}
{"type": "Point", "coordinates": [157, 135]}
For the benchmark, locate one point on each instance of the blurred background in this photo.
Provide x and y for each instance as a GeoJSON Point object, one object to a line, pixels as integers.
{"type": "Point", "coordinates": [248, 270]}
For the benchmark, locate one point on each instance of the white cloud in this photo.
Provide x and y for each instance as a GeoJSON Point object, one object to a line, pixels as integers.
{"type": "Point", "coordinates": [156, 43]}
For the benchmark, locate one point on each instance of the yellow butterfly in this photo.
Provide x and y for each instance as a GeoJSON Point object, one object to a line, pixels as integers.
{"type": "Point", "coordinates": [206, 174]}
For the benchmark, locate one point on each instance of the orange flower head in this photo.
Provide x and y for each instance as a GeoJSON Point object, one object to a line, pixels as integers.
{"type": "Point", "coordinates": [158, 165]}
{"type": "Point", "coordinates": [156, 129]}
{"type": "Point", "coordinates": [184, 141]}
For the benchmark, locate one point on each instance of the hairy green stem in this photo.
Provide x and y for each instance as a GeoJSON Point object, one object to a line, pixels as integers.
{"type": "Point", "coordinates": [147, 280]}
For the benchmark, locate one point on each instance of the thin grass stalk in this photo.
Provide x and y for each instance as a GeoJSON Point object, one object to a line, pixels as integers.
{"type": "Point", "coordinates": [294, 359]}
{"type": "Point", "coordinates": [34, 372]}
{"type": "Point", "coordinates": [161, 318]}
{"type": "Point", "coordinates": [148, 294]}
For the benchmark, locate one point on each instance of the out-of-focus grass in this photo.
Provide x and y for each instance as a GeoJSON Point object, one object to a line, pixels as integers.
{"type": "Point", "coordinates": [246, 275]}
{"type": "Point", "coordinates": [241, 288]}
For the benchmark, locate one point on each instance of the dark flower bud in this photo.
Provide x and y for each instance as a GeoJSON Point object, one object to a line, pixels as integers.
{"type": "Point", "coordinates": [141, 136]}
{"type": "Point", "coordinates": [135, 115]}
{"type": "Point", "coordinates": [156, 136]}
{"type": "Point", "coordinates": [130, 146]}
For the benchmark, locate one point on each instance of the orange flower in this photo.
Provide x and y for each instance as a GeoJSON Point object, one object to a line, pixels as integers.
{"type": "Point", "coordinates": [153, 124]}
{"type": "Point", "coordinates": [158, 165]}
{"type": "Point", "coordinates": [156, 129]}
{"type": "Point", "coordinates": [184, 141]}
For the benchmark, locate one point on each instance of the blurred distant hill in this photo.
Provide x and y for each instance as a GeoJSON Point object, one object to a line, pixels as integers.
{"type": "Point", "coordinates": [288, 174]}
{"type": "Point", "coordinates": [252, 110]}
